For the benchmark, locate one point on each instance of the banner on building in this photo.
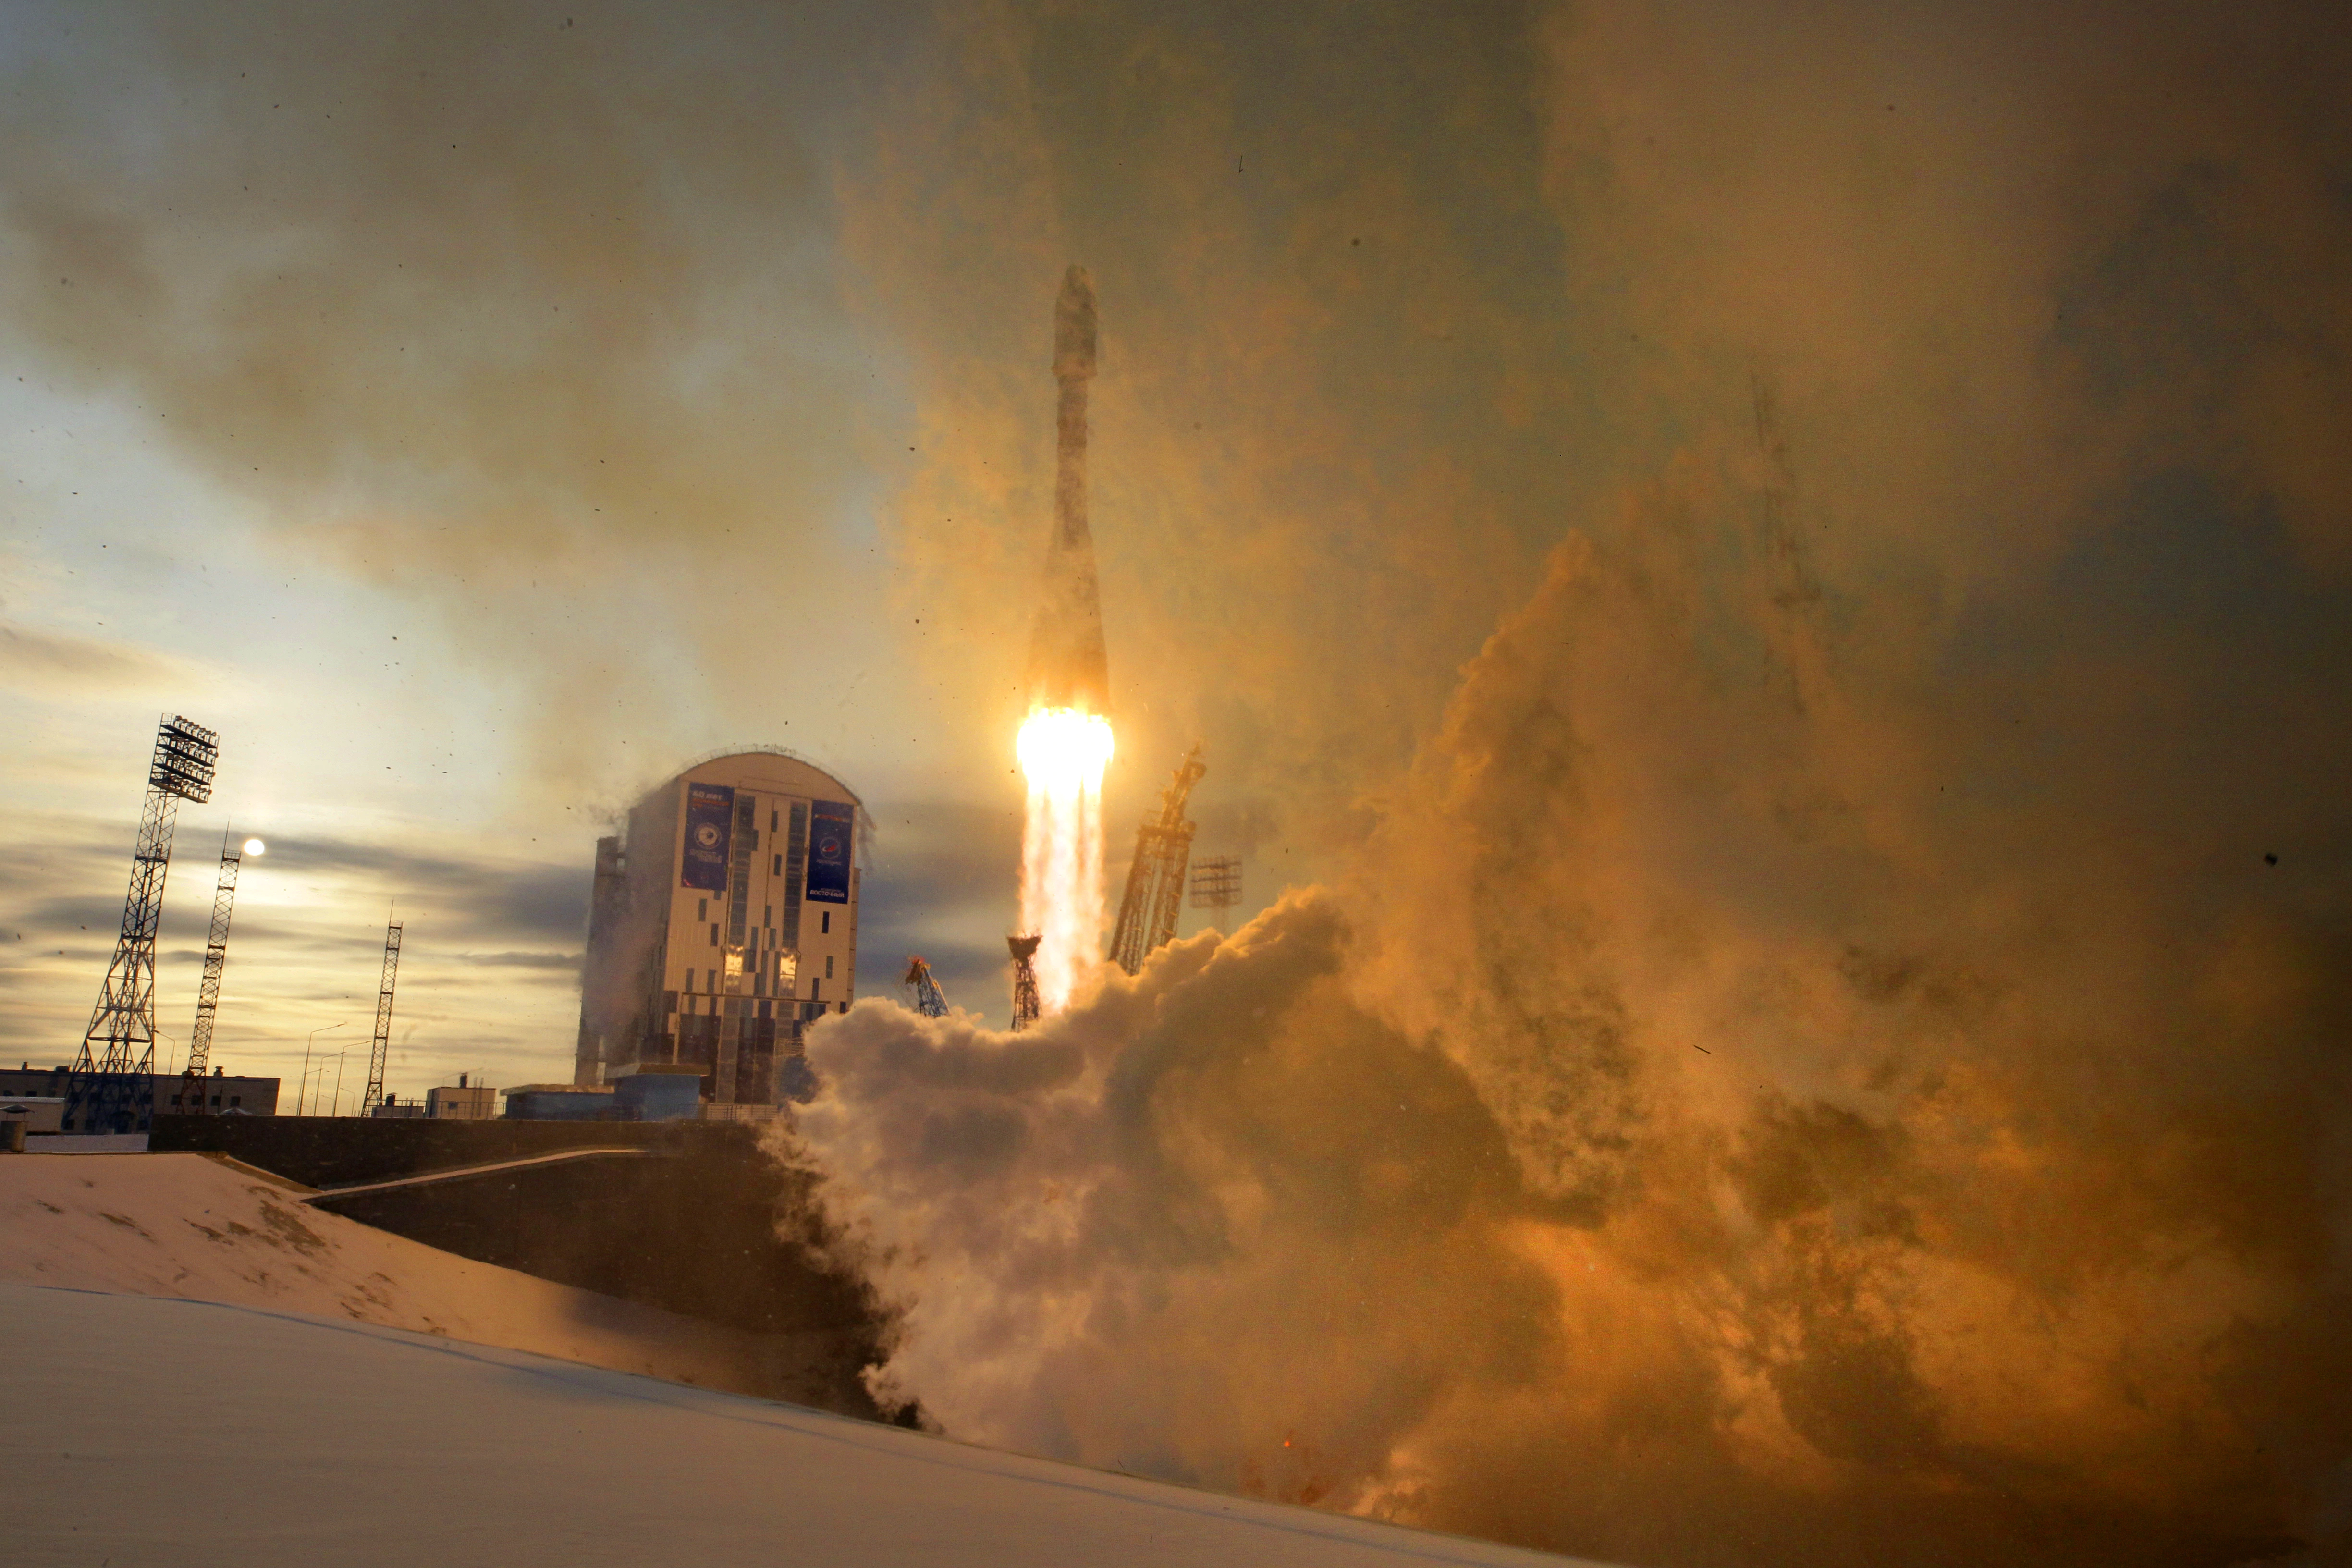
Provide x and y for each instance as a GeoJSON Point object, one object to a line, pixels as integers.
{"type": "Point", "coordinates": [832, 827]}
{"type": "Point", "coordinates": [709, 828]}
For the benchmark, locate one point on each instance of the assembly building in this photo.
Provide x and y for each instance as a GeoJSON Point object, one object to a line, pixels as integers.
{"type": "Point", "coordinates": [724, 920]}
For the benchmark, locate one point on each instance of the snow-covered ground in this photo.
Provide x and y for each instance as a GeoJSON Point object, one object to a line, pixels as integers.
{"type": "Point", "coordinates": [208, 1229]}
{"type": "Point", "coordinates": [291, 1428]}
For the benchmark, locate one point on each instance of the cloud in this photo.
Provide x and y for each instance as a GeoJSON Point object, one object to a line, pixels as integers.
{"type": "Point", "coordinates": [44, 663]}
{"type": "Point", "coordinates": [1676, 1143]}
{"type": "Point", "coordinates": [556, 962]}
{"type": "Point", "coordinates": [1864, 1088]}
{"type": "Point", "coordinates": [472, 900]}
{"type": "Point", "coordinates": [528, 321]}
{"type": "Point", "coordinates": [308, 932]}
{"type": "Point", "coordinates": [1323, 325]}
{"type": "Point", "coordinates": [1827, 1054]}
{"type": "Point", "coordinates": [936, 886]}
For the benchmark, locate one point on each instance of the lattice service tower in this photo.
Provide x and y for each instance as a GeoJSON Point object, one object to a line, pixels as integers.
{"type": "Point", "coordinates": [111, 1087]}
{"type": "Point", "coordinates": [924, 986]}
{"type": "Point", "coordinates": [382, 1045]}
{"type": "Point", "coordinates": [1155, 882]}
{"type": "Point", "coordinates": [1026, 1006]}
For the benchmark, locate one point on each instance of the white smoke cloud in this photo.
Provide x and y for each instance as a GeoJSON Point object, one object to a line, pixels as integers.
{"type": "Point", "coordinates": [1684, 1138]}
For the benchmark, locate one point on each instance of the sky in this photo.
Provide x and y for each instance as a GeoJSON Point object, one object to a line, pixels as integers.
{"type": "Point", "coordinates": [474, 419]}
{"type": "Point", "coordinates": [1764, 591]}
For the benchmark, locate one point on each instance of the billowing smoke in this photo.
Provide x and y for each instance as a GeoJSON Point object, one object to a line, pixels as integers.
{"type": "Point", "coordinates": [1728, 1116]}
{"type": "Point", "coordinates": [1834, 1050]}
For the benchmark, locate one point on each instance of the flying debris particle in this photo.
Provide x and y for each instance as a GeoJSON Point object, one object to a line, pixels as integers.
{"type": "Point", "coordinates": [1701, 1049]}
{"type": "Point", "coordinates": [2270, 859]}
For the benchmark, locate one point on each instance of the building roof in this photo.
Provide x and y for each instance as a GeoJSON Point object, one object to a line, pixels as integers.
{"type": "Point", "coordinates": [723, 753]}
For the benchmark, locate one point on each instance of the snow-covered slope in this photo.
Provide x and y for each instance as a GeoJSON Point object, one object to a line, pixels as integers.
{"type": "Point", "coordinates": [149, 1432]}
{"type": "Point", "coordinates": [206, 1228]}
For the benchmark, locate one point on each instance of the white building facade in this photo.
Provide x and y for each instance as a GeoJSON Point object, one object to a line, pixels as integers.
{"type": "Point", "coordinates": [724, 921]}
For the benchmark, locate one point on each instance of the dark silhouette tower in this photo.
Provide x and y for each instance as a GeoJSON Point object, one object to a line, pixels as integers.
{"type": "Point", "coordinates": [1027, 1007]}
{"type": "Point", "coordinates": [381, 1044]}
{"type": "Point", "coordinates": [111, 1087]}
{"type": "Point", "coordinates": [200, 1038]}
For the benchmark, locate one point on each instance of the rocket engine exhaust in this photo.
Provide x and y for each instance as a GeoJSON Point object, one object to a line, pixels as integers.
{"type": "Point", "coordinates": [1065, 741]}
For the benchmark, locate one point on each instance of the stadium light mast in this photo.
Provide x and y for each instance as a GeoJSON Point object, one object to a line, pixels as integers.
{"type": "Point", "coordinates": [193, 1093]}
{"type": "Point", "coordinates": [110, 1089]}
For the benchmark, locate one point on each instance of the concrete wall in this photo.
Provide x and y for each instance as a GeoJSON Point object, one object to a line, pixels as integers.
{"type": "Point", "coordinates": [37, 1115]}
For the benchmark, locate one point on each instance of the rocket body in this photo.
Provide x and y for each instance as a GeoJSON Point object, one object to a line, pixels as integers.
{"type": "Point", "coordinates": [1068, 667]}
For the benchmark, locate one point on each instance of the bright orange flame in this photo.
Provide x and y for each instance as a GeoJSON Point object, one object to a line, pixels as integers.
{"type": "Point", "coordinates": [1063, 752]}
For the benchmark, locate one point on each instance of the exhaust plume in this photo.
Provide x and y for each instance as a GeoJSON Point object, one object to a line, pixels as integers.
{"type": "Point", "coordinates": [1706, 1128]}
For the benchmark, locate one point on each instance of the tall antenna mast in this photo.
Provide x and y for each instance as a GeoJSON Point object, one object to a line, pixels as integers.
{"type": "Point", "coordinates": [111, 1087]}
{"type": "Point", "coordinates": [200, 1038]}
{"type": "Point", "coordinates": [1155, 882]}
{"type": "Point", "coordinates": [377, 1052]}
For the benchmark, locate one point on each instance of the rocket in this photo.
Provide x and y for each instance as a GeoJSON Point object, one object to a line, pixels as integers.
{"type": "Point", "coordinates": [1066, 666]}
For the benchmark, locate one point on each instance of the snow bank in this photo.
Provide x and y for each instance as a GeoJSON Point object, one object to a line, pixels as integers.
{"type": "Point", "coordinates": [206, 1228]}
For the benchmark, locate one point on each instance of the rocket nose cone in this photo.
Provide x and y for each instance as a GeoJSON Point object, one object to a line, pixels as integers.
{"type": "Point", "coordinates": [1074, 325]}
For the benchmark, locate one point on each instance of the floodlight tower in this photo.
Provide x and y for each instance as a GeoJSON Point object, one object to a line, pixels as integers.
{"type": "Point", "coordinates": [1216, 883]}
{"type": "Point", "coordinates": [200, 1038]}
{"type": "Point", "coordinates": [110, 1089]}
{"type": "Point", "coordinates": [1155, 882]}
{"type": "Point", "coordinates": [382, 1046]}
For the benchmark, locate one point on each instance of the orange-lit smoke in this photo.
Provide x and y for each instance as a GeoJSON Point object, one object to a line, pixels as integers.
{"type": "Point", "coordinates": [1063, 752]}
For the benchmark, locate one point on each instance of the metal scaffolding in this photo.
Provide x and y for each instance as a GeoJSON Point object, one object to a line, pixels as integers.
{"type": "Point", "coordinates": [1217, 882]}
{"type": "Point", "coordinates": [1027, 1007]}
{"type": "Point", "coordinates": [110, 1089]}
{"type": "Point", "coordinates": [1155, 882]}
{"type": "Point", "coordinates": [929, 999]}
{"type": "Point", "coordinates": [382, 1045]}
{"type": "Point", "coordinates": [200, 1038]}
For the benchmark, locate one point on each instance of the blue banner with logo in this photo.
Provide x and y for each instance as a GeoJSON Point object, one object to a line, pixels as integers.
{"type": "Point", "coordinates": [710, 827]}
{"type": "Point", "coordinates": [832, 826]}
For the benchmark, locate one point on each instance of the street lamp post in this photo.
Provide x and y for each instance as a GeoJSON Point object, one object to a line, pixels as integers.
{"type": "Point", "coordinates": [304, 1097]}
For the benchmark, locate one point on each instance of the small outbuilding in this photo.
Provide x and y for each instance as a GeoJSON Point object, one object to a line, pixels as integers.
{"type": "Point", "coordinates": [560, 1102]}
